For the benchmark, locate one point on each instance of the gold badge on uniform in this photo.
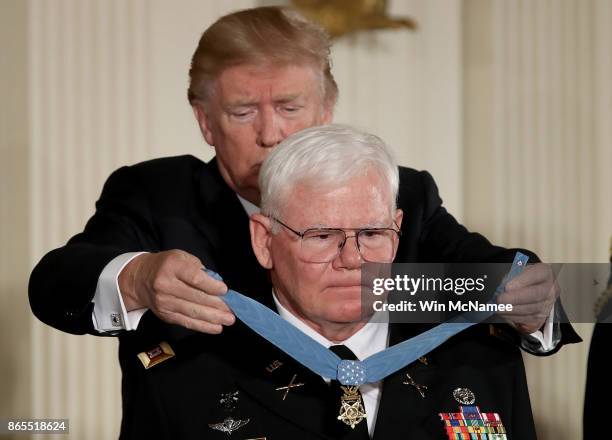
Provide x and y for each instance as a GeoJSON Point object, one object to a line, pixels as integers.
{"type": "Point", "coordinates": [156, 355]}
{"type": "Point", "coordinates": [291, 385]}
{"type": "Point", "coordinates": [420, 388]}
{"type": "Point", "coordinates": [351, 410]}
{"type": "Point", "coordinates": [274, 366]}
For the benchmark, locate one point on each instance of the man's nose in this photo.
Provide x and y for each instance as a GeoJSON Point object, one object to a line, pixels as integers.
{"type": "Point", "coordinates": [270, 129]}
{"type": "Point", "coordinates": [349, 257]}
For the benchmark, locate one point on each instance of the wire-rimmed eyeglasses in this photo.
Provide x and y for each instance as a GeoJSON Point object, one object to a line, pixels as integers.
{"type": "Point", "coordinates": [322, 245]}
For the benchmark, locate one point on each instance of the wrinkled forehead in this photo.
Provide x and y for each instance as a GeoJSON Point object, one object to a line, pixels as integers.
{"type": "Point", "coordinates": [246, 82]}
{"type": "Point", "coordinates": [360, 201]}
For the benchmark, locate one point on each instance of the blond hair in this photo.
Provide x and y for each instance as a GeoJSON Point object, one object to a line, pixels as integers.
{"type": "Point", "coordinates": [266, 35]}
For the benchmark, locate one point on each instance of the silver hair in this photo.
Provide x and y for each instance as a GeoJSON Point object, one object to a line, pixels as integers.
{"type": "Point", "coordinates": [325, 156]}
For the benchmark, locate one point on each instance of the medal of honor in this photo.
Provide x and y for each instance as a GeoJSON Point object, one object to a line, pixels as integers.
{"type": "Point", "coordinates": [351, 374]}
{"type": "Point", "coordinates": [352, 411]}
{"type": "Point", "coordinates": [469, 421]}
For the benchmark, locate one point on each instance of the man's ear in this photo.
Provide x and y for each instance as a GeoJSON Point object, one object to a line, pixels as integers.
{"type": "Point", "coordinates": [399, 215]}
{"type": "Point", "coordinates": [261, 237]}
{"type": "Point", "coordinates": [204, 122]}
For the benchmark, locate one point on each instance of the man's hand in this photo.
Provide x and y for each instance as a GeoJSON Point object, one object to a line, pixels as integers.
{"type": "Point", "coordinates": [173, 285]}
{"type": "Point", "coordinates": [532, 294]}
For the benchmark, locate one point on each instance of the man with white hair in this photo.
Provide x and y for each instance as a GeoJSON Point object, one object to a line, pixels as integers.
{"type": "Point", "coordinates": [256, 77]}
{"type": "Point", "coordinates": [328, 205]}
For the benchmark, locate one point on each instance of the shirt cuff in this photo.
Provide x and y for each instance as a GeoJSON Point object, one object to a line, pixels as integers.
{"type": "Point", "coordinates": [109, 314]}
{"type": "Point", "coordinates": [545, 340]}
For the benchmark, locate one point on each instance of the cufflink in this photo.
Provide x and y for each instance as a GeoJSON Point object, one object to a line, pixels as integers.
{"type": "Point", "coordinates": [116, 320]}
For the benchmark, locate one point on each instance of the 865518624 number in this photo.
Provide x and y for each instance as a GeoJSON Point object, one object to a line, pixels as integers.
{"type": "Point", "coordinates": [34, 426]}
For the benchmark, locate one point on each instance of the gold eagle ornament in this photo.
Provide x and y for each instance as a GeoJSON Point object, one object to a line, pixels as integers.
{"type": "Point", "coordinates": [341, 17]}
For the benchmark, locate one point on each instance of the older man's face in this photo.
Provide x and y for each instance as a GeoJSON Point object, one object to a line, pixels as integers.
{"type": "Point", "coordinates": [251, 110]}
{"type": "Point", "coordinates": [323, 294]}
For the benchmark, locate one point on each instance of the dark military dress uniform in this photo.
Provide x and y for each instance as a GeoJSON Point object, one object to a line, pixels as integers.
{"type": "Point", "coordinates": [238, 380]}
{"type": "Point", "coordinates": [183, 203]}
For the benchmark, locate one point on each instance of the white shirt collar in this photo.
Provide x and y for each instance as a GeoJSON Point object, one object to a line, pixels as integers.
{"type": "Point", "coordinates": [370, 339]}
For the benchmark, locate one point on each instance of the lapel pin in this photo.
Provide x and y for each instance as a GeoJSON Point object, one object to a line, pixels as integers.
{"type": "Point", "coordinates": [420, 388]}
{"type": "Point", "coordinates": [229, 400]}
{"type": "Point", "coordinates": [156, 355]}
{"type": "Point", "coordinates": [465, 396]}
{"type": "Point", "coordinates": [423, 360]}
{"type": "Point", "coordinates": [291, 385]}
{"type": "Point", "coordinates": [229, 425]}
{"type": "Point", "coordinates": [273, 366]}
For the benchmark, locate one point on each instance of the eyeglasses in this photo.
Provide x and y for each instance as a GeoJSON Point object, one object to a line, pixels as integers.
{"type": "Point", "coordinates": [322, 245]}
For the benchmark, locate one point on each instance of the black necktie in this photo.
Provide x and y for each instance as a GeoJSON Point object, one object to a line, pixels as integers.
{"type": "Point", "coordinates": [342, 429]}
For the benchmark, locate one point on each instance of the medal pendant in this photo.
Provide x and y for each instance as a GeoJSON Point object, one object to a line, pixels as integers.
{"type": "Point", "coordinates": [352, 411]}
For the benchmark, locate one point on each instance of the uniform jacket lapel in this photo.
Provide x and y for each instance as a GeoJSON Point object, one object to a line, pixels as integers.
{"type": "Point", "coordinates": [402, 409]}
{"type": "Point", "coordinates": [225, 224]}
{"type": "Point", "coordinates": [305, 406]}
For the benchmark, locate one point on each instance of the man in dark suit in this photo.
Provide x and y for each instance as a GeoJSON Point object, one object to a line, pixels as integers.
{"type": "Point", "coordinates": [239, 384]}
{"type": "Point", "coordinates": [257, 76]}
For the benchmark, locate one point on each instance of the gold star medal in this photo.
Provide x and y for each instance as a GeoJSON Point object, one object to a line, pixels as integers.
{"type": "Point", "coordinates": [351, 410]}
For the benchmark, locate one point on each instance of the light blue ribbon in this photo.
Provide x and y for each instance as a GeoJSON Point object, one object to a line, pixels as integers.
{"type": "Point", "coordinates": [326, 363]}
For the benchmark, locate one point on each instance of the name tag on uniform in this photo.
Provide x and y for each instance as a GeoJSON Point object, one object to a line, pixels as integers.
{"type": "Point", "coordinates": [156, 355]}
